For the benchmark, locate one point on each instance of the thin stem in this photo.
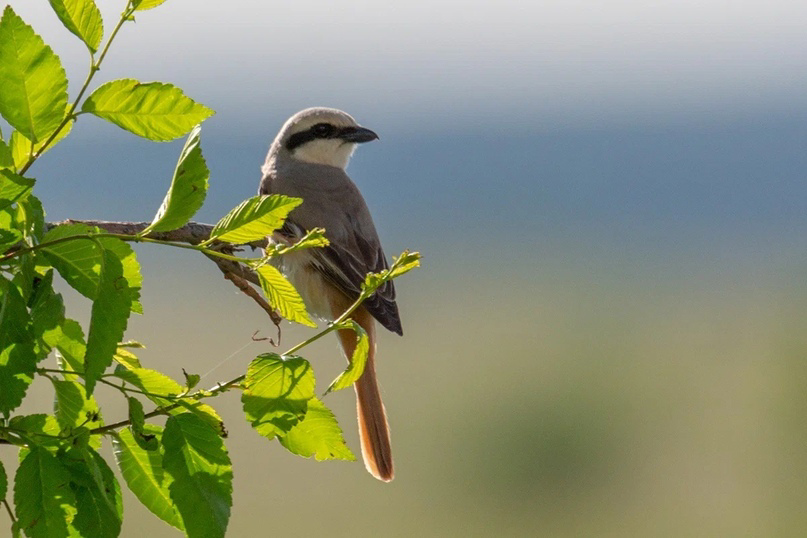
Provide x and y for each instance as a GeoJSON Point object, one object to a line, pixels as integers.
{"type": "Point", "coordinates": [200, 248]}
{"type": "Point", "coordinates": [122, 423]}
{"type": "Point", "coordinates": [10, 513]}
{"type": "Point", "coordinates": [94, 68]}
{"type": "Point", "coordinates": [46, 371]}
{"type": "Point", "coordinates": [223, 387]}
{"type": "Point", "coordinates": [130, 238]}
{"type": "Point", "coordinates": [143, 392]}
{"type": "Point", "coordinates": [332, 327]}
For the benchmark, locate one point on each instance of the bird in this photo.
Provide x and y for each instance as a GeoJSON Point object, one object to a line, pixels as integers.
{"type": "Point", "coordinates": [307, 159]}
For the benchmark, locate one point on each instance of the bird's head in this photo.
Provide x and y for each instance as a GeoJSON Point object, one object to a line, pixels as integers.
{"type": "Point", "coordinates": [322, 136]}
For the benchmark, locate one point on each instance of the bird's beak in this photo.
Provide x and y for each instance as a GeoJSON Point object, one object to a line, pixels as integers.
{"type": "Point", "coordinates": [357, 135]}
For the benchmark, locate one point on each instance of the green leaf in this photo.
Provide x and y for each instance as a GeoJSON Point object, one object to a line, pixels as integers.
{"type": "Point", "coordinates": [126, 358]}
{"type": "Point", "coordinates": [17, 356]}
{"type": "Point", "coordinates": [13, 188]}
{"type": "Point", "coordinates": [14, 317]}
{"type": "Point", "coordinates": [152, 110]}
{"type": "Point", "coordinates": [357, 362]}
{"type": "Point", "coordinates": [254, 218]}
{"type": "Point", "coordinates": [136, 415]}
{"type": "Point", "coordinates": [3, 481]}
{"type": "Point", "coordinates": [74, 408]}
{"type": "Point", "coordinates": [318, 435]}
{"type": "Point", "coordinates": [108, 320]}
{"type": "Point", "coordinates": [143, 472]}
{"type": "Point", "coordinates": [22, 148]}
{"type": "Point", "coordinates": [191, 380]}
{"type": "Point", "coordinates": [40, 429]}
{"type": "Point", "coordinates": [276, 393]}
{"type": "Point", "coordinates": [31, 218]}
{"type": "Point", "coordinates": [282, 295]}
{"type": "Point", "coordinates": [79, 261]}
{"type": "Point", "coordinates": [34, 95]}
{"type": "Point", "coordinates": [47, 314]}
{"type": "Point", "coordinates": [162, 390]}
{"type": "Point", "coordinates": [82, 18]}
{"type": "Point", "coordinates": [137, 418]}
{"type": "Point", "coordinates": [197, 460]}
{"type": "Point", "coordinates": [69, 340]}
{"type": "Point", "coordinates": [6, 159]}
{"type": "Point", "coordinates": [188, 188]}
{"type": "Point", "coordinates": [99, 502]}
{"type": "Point", "coordinates": [403, 264]}
{"type": "Point", "coordinates": [312, 239]}
{"type": "Point", "coordinates": [44, 502]}
{"type": "Point", "coordinates": [142, 5]}
{"type": "Point", "coordinates": [10, 235]}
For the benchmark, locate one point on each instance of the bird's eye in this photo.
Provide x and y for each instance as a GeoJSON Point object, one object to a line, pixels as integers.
{"type": "Point", "coordinates": [322, 130]}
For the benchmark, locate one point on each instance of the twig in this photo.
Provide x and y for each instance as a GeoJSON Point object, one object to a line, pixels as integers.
{"type": "Point", "coordinates": [248, 290]}
{"type": "Point", "coordinates": [10, 513]}
{"type": "Point", "coordinates": [192, 233]}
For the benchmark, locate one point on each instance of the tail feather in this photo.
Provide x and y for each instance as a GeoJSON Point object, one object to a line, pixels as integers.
{"type": "Point", "coordinates": [373, 427]}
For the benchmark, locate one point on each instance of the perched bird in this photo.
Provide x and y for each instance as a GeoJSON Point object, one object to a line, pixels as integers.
{"type": "Point", "coordinates": [307, 160]}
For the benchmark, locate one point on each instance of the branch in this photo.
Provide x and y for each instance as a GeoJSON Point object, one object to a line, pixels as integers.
{"type": "Point", "coordinates": [192, 233]}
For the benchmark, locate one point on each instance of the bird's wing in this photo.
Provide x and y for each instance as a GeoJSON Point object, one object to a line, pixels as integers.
{"type": "Point", "coordinates": [332, 201]}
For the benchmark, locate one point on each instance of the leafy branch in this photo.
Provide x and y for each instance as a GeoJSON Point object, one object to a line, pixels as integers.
{"type": "Point", "coordinates": [181, 472]}
{"type": "Point", "coordinates": [95, 66]}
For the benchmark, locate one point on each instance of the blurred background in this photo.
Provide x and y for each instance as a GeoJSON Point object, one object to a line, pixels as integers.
{"type": "Point", "coordinates": [607, 336]}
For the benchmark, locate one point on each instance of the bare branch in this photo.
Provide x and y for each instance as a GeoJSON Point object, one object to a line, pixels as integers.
{"type": "Point", "coordinates": [195, 233]}
{"type": "Point", "coordinates": [192, 233]}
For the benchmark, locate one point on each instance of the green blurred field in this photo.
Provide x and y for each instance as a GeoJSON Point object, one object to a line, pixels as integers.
{"type": "Point", "coordinates": [577, 396]}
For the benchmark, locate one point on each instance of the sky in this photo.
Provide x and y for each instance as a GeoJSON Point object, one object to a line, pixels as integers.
{"type": "Point", "coordinates": [432, 64]}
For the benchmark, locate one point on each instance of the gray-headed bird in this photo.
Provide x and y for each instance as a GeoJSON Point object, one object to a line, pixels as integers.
{"type": "Point", "coordinates": [307, 160]}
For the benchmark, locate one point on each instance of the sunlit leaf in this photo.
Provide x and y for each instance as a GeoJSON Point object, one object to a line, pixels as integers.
{"type": "Point", "coordinates": [108, 320]}
{"type": "Point", "coordinates": [126, 358]}
{"type": "Point", "coordinates": [188, 188]}
{"type": "Point", "coordinates": [142, 5]}
{"type": "Point", "coordinates": [312, 239]}
{"type": "Point", "coordinates": [47, 314]}
{"type": "Point", "coordinates": [82, 18]}
{"type": "Point", "coordinates": [143, 472]}
{"type": "Point", "coordinates": [99, 502]}
{"type": "Point", "coordinates": [403, 264]}
{"type": "Point", "coordinates": [17, 355]}
{"type": "Point", "coordinates": [79, 261]}
{"type": "Point", "coordinates": [254, 218]}
{"type": "Point", "coordinates": [69, 340]}
{"type": "Point", "coordinates": [282, 295]}
{"type": "Point", "coordinates": [276, 393]}
{"type": "Point", "coordinates": [197, 460]}
{"type": "Point", "coordinates": [162, 390]}
{"type": "Point", "coordinates": [318, 435]}
{"type": "Point", "coordinates": [6, 158]}
{"type": "Point", "coordinates": [44, 504]}
{"type": "Point", "coordinates": [31, 218]}
{"type": "Point", "coordinates": [13, 187]}
{"type": "Point", "coordinates": [34, 95]}
{"type": "Point", "coordinates": [357, 361]}
{"type": "Point", "coordinates": [22, 148]}
{"type": "Point", "coordinates": [42, 429]}
{"type": "Point", "coordinates": [73, 407]}
{"type": "Point", "coordinates": [152, 110]}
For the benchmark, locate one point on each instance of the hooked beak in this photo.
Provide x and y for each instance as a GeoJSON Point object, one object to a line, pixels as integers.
{"type": "Point", "coordinates": [357, 135]}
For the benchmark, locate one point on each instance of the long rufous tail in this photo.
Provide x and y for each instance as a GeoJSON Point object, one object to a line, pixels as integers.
{"type": "Point", "coordinates": [373, 427]}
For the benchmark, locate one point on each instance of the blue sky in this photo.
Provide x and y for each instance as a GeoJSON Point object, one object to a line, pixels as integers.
{"type": "Point", "coordinates": [426, 64]}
